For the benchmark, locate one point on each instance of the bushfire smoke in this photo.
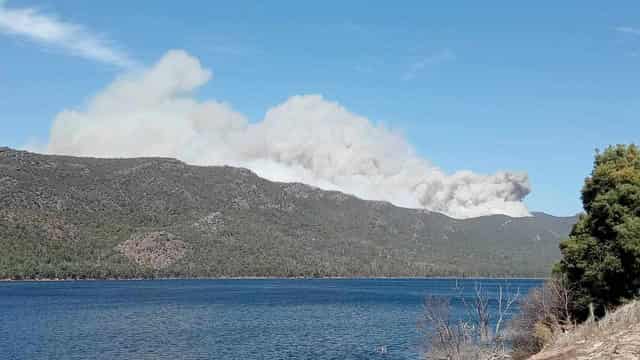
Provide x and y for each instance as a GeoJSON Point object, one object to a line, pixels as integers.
{"type": "Point", "coordinates": [305, 139]}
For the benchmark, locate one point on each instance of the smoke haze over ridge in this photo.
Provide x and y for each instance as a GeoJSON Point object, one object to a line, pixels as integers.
{"type": "Point", "coordinates": [306, 139]}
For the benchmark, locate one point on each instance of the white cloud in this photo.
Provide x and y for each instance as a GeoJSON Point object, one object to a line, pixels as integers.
{"type": "Point", "coordinates": [306, 139]}
{"type": "Point", "coordinates": [50, 31]}
{"type": "Point", "coordinates": [424, 62]}
{"type": "Point", "coordinates": [628, 30]}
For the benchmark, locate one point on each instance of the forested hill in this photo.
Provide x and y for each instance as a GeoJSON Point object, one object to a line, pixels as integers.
{"type": "Point", "coordinates": [66, 217]}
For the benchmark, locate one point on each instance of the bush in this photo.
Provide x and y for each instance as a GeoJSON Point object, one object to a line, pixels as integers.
{"type": "Point", "coordinates": [601, 257]}
{"type": "Point", "coordinates": [480, 335]}
{"type": "Point", "coordinates": [544, 313]}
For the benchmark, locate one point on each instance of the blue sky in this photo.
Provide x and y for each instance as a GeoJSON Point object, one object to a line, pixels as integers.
{"type": "Point", "coordinates": [483, 86]}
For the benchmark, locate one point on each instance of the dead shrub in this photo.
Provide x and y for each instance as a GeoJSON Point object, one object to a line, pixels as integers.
{"type": "Point", "coordinates": [478, 335]}
{"type": "Point", "coordinates": [544, 314]}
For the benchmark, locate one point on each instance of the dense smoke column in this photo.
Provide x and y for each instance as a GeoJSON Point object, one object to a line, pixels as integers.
{"type": "Point", "coordinates": [305, 139]}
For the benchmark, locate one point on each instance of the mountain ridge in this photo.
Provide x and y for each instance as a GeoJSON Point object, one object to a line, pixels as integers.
{"type": "Point", "coordinates": [65, 216]}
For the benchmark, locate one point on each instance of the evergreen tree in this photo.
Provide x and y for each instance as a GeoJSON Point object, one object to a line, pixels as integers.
{"type": "Point", "coordinates": [601, 257]}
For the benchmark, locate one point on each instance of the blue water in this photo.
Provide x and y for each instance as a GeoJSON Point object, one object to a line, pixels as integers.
{"type": "Point", "coordinates": [221, 319]}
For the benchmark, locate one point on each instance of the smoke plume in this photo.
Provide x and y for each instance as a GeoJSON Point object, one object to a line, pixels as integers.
{"type": "Point", "coordinates": [305, 139]}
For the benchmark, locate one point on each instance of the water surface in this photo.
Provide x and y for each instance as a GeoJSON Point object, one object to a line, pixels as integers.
{"type": "Point", "coordinates": [318, 319]}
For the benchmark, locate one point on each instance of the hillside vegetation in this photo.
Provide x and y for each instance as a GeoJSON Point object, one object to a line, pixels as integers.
{"type": "Point", "coordinates": [70, 217]}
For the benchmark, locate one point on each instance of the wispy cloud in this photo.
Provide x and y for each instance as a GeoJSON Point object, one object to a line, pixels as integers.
{"type": "Point", "coordinates": [48, 30]}
{"type": "Point", "coordinates": [426, 61]}
{"type": "Point", "coordinates": [628, 30]}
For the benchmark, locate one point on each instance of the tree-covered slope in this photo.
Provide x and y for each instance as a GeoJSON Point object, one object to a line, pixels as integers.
{"type": "Point", "coordinates": [83, 217]}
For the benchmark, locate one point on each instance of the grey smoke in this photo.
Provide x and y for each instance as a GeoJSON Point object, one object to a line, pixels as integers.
{"type": "Point", "coordinates": [305, 139]}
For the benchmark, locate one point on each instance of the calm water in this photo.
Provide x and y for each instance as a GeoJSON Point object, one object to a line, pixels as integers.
{"type": "Point", "coordinates": [220, 319]}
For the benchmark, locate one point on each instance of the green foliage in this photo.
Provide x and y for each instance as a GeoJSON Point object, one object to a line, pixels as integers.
{"type": "Point", "coordinates": [601, 257]}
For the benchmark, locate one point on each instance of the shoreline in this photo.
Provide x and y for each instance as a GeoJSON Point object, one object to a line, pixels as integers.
{"type": "Point", "coordinates": [284, 278]}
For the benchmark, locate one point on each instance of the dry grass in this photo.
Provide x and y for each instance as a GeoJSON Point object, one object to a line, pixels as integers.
{"type": "Point", "coordinates": [622, 319]}
{"type": "Point", "coordinates": [616, 336]}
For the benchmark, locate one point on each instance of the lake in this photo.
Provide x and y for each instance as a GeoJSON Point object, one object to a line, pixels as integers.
{"type": "Point", "coordinates": [223, 319]}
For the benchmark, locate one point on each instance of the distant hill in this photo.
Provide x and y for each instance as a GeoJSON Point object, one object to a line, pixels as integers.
{"type": "Point", "coordinates": [66, 216]}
